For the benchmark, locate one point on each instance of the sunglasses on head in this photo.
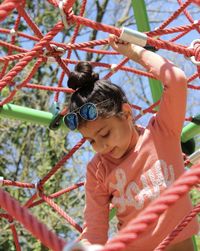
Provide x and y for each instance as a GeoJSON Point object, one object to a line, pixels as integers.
{"type": "Point", "coordinates": [88, 112]}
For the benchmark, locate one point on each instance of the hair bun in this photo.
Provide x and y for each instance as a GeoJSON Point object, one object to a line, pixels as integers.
{"type": "Point", "coordinates": [82, 76]}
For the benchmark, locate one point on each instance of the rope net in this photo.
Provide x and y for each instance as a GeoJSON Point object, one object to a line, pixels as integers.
{"type": "Point", "coordinates": [47, 49]}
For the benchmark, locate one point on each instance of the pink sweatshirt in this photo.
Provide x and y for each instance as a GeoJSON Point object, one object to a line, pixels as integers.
{"type": "Point", "coordinates": [132, 182]}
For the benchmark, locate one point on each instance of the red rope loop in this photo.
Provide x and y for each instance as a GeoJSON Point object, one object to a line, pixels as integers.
{"type": "Point", "coordinates": [195, 45]}
{"type": "Point", "coordinates": [196, 2]}
{"type": "Point", "coordinates": [7, 7]}
{"type": "Point", "coordinates": [197, 51]}
{"type": "Point", "coordinates": [179, 228]}
{"type": "Point", "coordinates": [69, 16]}
{"type": "Point", "coordinates": [22, 215]}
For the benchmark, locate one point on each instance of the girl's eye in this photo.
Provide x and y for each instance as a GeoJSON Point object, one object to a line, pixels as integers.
{"type": "Point", "coordinates": [106, 134]}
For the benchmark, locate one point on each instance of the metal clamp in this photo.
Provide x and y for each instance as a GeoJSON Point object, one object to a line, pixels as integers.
{"type": "Point", "coordinates": [193, 60]}
{"type": "Point", "coordinates": [56, 122]}
{"type": "Point", "coordinates": [55, 48]}
{"type": "Point", "coordinates": [79, 246]}
{"type": "Point", "coordinates": [57, 117]}
{"type": "Point", "coordinates": [74, 245]}
{"type": "Point", "coordinates": [1, 181]}
{"type": "Point", "coordinates": [58, 48]}
{"type": "Point", "coordinates": [13, 32]}
{"type": "Point", "coordinates": [38, 188]}
{"type": "Point", "coordinates": [63, 15]}
{"type": "Point", "coordinates": [113, 67]}
{"type": "Point", "coordinates": [195, 157]}
{"type": "Point", "coordinates": [134, 37]}
{"type": "Point", "coordinates": [196, 120]}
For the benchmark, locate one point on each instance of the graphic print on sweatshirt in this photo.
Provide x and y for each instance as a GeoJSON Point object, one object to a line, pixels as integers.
{"type": "Point", "coordinates": [152, 182]}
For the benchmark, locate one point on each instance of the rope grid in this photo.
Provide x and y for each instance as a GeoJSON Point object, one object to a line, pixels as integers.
{"type": "Point", "coordinates": [45, 50]}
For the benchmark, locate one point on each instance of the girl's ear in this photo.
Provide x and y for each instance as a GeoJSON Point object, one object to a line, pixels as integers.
{"type": "Point", "coordinates": [127, 111]}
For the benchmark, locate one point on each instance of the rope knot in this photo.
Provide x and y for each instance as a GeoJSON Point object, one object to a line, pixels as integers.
{"type": "Point", "coordinates": [197, 51]}
{"type": "Point", "coordinates": [195, 45]}
{"type": "Point", "coordinates": [39, 188]}
{"type": "Point", "coordinates": [69, 15]}
{"type": "Point", "coordinates": [197, 55]}
{"type": "Point", "coordinates": [55, 51]}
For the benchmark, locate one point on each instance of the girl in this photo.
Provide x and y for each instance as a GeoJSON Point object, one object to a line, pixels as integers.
{"type": "Point", "coordinates": [132, 165]}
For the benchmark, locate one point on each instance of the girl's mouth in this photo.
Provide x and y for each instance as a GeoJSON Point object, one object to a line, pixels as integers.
{"type": "Point", "coordinates": [113, 149]}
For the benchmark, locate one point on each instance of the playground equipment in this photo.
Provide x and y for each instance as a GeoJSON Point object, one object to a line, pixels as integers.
{"type": "Point", "coordinates": [44, 47]}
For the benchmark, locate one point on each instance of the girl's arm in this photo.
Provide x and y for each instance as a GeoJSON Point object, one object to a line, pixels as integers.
{"type": "Point", "coordinates": [173, 102]}
{"type": "Point", "coordinates": [96, 213]}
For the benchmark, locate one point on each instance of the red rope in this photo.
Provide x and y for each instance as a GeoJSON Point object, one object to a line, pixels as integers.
{"type": "Point", "coordinates": [30, 23]}
{"type": "Point", "coordinates": [13, 229]}
{"type": "Point", "coordinates": [191, 20]}
{"type": "Point", "coordinates": [72, 41]}
{"type": "Point", "coordinates": [23, 84]}
{"type": "Point", "coordinates": [30, 55]}
{"type": "Point", "coordinates": [39, 34]}
{"type": "Point", "coordinates": [148, 216]}
{"type": "Point", "coordinates": [55, 169]}
{"type": "Point", "coordinates": [17, 22]}
{"type": "Point", "coordinates": [61, 212]}
{"type": "Point", "coordinates": [7, 7]}
{"type": "Point", "coordinates": [57, 194]}
{"type": "Point", "coordinates": [178, 229]}
{"type": "Point", "coordinates": [39, 230]}
{"type": "Point", "coordinates": [18, 184]}
{"type": "Point", "coordinates": [175, 14]}
{"type": "Point", "coordinates": [10, 46]}
{"type": "Point", "coordinates": [68, 5]}
{"type": "Point", "coordinates": [21, 34]}
{"type": "Point", "coordinates": [60, 163]}
{"type": "Point", "coordinates": [15, 236]}
{"type": "Point", "coordinates": [49, 88]}
{"type": "Point", "coordinates": [182, 28]}
{"type": "Point", "coordinates": [196, 2]}
{"type": "Point", "coordinates": [124, 61]}
{"type": "Point", "coordinates": [95, 25]}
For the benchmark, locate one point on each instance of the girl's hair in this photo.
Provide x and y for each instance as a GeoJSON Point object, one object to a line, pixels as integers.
{"type": "Point", "coordinates": [88, 88]}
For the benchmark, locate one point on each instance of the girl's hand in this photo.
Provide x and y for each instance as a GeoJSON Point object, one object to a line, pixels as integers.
{"type": "Point", "coordinates": [78, 246]}
{"type": "Point", "coordinates": [95, 247]}
{"type": "Point", "coordinates": [128, 50]}
{"type": "Point", "coordinates": [119, 45]}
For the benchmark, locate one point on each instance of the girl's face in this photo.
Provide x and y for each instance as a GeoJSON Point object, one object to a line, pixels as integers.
{"type": "Point", "coordinates": [111, 136]}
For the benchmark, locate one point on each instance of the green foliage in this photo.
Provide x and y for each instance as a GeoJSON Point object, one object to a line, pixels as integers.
{"type": "Point", "coordinates": [33, 152]}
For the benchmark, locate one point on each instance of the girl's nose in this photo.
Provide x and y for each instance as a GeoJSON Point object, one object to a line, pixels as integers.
{"type": "Point", "coordinates": [105, 144]}
{"type": "Point", "coordinates": [105, 147]}
{"type": "Point", "coordinates": [102, 147]}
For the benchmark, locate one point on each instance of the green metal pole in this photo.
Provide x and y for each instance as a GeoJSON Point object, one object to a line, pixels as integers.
{"type": "Point", "coordinates": [189, 131]}
{"type": "Point", "coordinates": [142, 22]}
{"type": "Point", "coordinates": [112, 213]}
{"type": "Point", "coordinates": [27, 114]}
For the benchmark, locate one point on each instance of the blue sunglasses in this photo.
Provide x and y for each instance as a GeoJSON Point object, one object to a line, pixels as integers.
{"type": "Point", "coordinates": [88, 111]}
